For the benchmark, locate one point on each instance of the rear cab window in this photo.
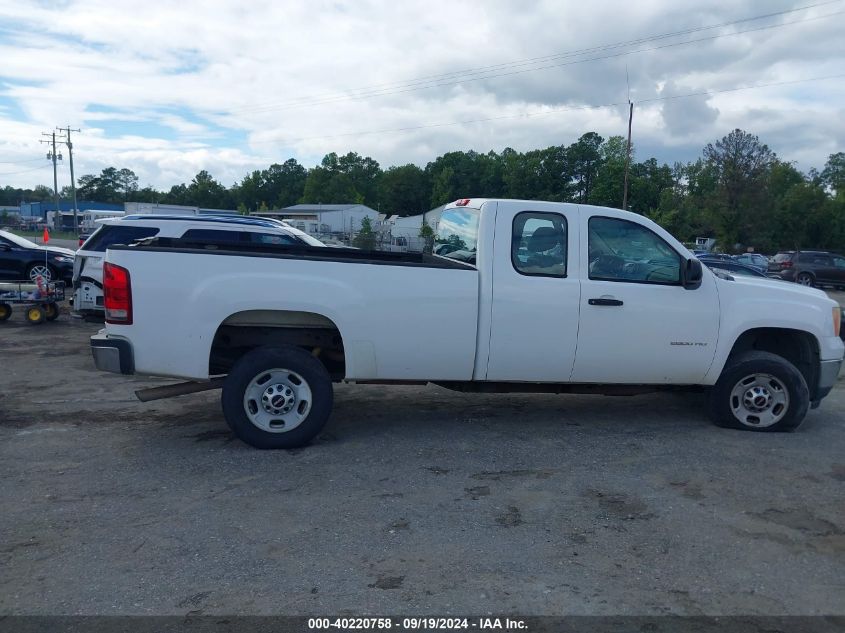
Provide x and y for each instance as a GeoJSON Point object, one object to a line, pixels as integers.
{"type": "Point", "coordinates": [110, 234]}
{"type": "Point", "coordinates": [538, 245]}
{"type": "Point", "coordinates": [457, 234]}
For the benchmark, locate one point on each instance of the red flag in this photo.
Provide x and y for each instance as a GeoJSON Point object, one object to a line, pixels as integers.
{"type": "Point", "coordinates": [46, 235]}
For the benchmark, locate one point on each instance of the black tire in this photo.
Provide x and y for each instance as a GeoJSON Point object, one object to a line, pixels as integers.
{"type": "Point", "coordinates": [723, 402]}
{"type": "Point", "coordinates": [35, 315]}
{"type": "Point", "coordinates": [262, 360]}
{"type": "Point", "coordinates": [805, 279]}
{"type": "Point", "coordinates": [51, 311]}
{"type": "Point", "coordinates": [5, 311]}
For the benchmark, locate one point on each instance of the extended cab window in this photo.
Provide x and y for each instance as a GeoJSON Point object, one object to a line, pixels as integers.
{"type": "Point", "coordinates": [110, 234]}
{"type": "Point", "coordinates": [457, 234]}
{"type": "Point", "coordinates": [538, 246]}
{"type": "Point", "coordinates": [620, 250]}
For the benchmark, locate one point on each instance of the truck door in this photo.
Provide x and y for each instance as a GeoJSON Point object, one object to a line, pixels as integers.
{"type": "Point", "coordinates": [638, 323]}
{"type": "Point", "coordinates": [535, 293]}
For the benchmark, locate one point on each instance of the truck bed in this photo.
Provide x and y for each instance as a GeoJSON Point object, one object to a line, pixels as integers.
{"type": "Point", "coordinates": [386, 307]}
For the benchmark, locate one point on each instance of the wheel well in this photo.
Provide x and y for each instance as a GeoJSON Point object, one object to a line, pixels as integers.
{"type": "Point", "coordinates": [244, 331]}
{"type": "Point", "coordinates": [798, 347]}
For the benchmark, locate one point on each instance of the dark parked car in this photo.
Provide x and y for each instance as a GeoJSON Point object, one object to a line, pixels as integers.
{"type": "Point", "coordinates": [22, 259]}
{"type": "Point", "coordinates": [731, 266]}
{"type": "Point", "coordinates": [810, 268]}
{"type": "Point", "coordinates": [755, 260]}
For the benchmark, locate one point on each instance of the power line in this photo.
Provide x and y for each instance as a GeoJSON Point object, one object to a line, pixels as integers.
{"type": "Point", "coordinates": [450, 79]}
{"type": "Point", "coordinates": [546, 112]}
{"type": "Point", "coordinates": [17, 162]}
{"type": "Point", "coordinates": [25, 171]}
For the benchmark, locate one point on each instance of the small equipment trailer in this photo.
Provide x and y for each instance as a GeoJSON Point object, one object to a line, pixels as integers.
{"type": "Point", "coordinates": [38, 299]}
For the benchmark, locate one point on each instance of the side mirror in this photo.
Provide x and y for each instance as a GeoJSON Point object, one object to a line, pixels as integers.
{"type": "Point", "coordinates": [693, 274]}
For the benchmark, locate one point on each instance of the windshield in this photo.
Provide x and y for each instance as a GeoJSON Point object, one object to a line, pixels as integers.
{"type": "Point", "coordinates": [20, 241]}
{"type": "Point", "coordinates": [457, 235]}
{"type": "Point", "coordinates": [783, 257]}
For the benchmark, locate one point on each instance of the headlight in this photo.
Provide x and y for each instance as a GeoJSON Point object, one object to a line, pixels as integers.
{"type": "Point", "coordinates": [63, 258]}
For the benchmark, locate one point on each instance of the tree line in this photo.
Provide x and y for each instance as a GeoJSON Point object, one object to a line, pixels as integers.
{"type": "Point", "coordinates": [738, 191]}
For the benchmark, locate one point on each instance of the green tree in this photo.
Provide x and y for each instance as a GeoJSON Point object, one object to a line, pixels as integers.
{"type": "Point", "coordinates": [204, 191]}
{"type": "Point", "coordinates": [366, 238]}
{"type": "Point", "coordinates": [427, 234]}
{"type": "Point", "coordinates": [833, 174]}
{"type": "Point", "coordinates": [584, 157]}
{"type": "Point", "coordinates": [741, 165]}
{"type": "Point", "coordinates": [609, 184]}
{"type": "Point", "coordinates": [404, 191]}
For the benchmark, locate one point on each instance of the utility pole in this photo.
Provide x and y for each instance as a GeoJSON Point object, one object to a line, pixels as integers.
{"type": "Point", "coordinates": [628, 155]}
{"type": "Point", "coordinates": [66, 131]}
{"type": "Point", "coordinates": [52, 155]}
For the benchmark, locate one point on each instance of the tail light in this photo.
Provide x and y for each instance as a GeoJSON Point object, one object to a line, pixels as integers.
{"type": "Point", "coordinates": [786, 264]}
{"type": "Point", "coordinates": [117, 294]}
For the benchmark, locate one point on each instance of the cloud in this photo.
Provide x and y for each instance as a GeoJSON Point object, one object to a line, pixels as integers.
{"type": "Point", "coordinates": [686, 116]}
{"type": "Point", "coordinates": [167, 89]}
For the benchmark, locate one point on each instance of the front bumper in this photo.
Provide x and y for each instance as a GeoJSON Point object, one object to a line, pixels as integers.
{"type": "Point", "coordinates": [828, 373]}
{"type": "Point", "coordinates": [112, 354]}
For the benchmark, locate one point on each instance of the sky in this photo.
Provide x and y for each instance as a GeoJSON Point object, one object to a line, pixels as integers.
{"type": "Point", "coordinates": [168, 89]}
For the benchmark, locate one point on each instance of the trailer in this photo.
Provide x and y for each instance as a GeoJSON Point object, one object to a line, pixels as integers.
{"type": "Point", "coordinates": [38, 299]}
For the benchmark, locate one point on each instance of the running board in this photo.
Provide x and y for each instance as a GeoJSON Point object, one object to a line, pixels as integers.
{"type": "Point", "coordinates": [179, 389]}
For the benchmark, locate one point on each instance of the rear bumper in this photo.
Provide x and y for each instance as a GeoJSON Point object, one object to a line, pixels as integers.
{"type": "Point", "coordinates": [112, 354]}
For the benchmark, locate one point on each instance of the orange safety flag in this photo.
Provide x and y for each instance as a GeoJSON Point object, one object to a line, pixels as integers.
{"type": "Point", "coordinates": [46, 235]}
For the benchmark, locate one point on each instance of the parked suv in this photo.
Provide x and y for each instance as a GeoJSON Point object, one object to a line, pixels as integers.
{"type": "Point", "coordinates": [217, 230]}
{"type": "Point", "coordinates": [810, 268]}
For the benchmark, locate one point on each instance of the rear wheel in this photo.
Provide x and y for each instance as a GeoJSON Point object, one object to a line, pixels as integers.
{"type": "Point", "coordinates": [35, 315]}
{"type": "Point", "coordinates": [5, 311]}
{"type": "Point", "coordinates": [759, 391]}
{"type": "Point", "coordinates": [805, 279]}
{"type": "Point", "coordinates": [277, 397]}
{"type": "Point", "coordinates": [51, 311]}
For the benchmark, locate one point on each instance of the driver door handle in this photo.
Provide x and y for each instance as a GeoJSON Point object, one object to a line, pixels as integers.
{"type": "Point", "coordinates": [604, 302]}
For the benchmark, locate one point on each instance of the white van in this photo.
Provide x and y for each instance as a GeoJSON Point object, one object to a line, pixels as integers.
{"type": "Point", "coordinates": [88, 264]}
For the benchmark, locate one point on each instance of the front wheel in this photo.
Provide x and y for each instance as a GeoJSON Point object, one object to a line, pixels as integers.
{"type": "Point", "coordinates": [277, 397]}
{"type": "Point", "coordinates": [759, 391]}
{"type": "Point", "coordinates": [35, 315]}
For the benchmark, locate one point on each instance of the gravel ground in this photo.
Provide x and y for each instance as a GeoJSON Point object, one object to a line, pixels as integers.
{"type": "Point", "coordinates": [415, 500]}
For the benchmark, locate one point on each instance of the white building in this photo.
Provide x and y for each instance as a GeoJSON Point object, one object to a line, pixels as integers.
{"type": "Point", "coordinates": [324, 219]}
{"type": "Point", "coordinates": [404, 233]}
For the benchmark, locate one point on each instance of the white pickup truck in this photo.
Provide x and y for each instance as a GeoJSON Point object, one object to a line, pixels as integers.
{"type": "Point", "coordinates": [518, 296]}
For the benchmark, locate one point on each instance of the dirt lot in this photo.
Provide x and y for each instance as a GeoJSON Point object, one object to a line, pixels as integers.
{"type": "Point", "coordinates": [414, 500]}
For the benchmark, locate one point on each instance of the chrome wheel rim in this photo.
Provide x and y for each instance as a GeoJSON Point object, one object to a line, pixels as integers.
{"type": "Point", "coordinates": [277, 400]}
{"type": "Point", "coordinates": [40, 271]}
{"type": "Point", "coordinates": [805, 280]}
{"type": "Point", "coordinates": [759, 400]}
